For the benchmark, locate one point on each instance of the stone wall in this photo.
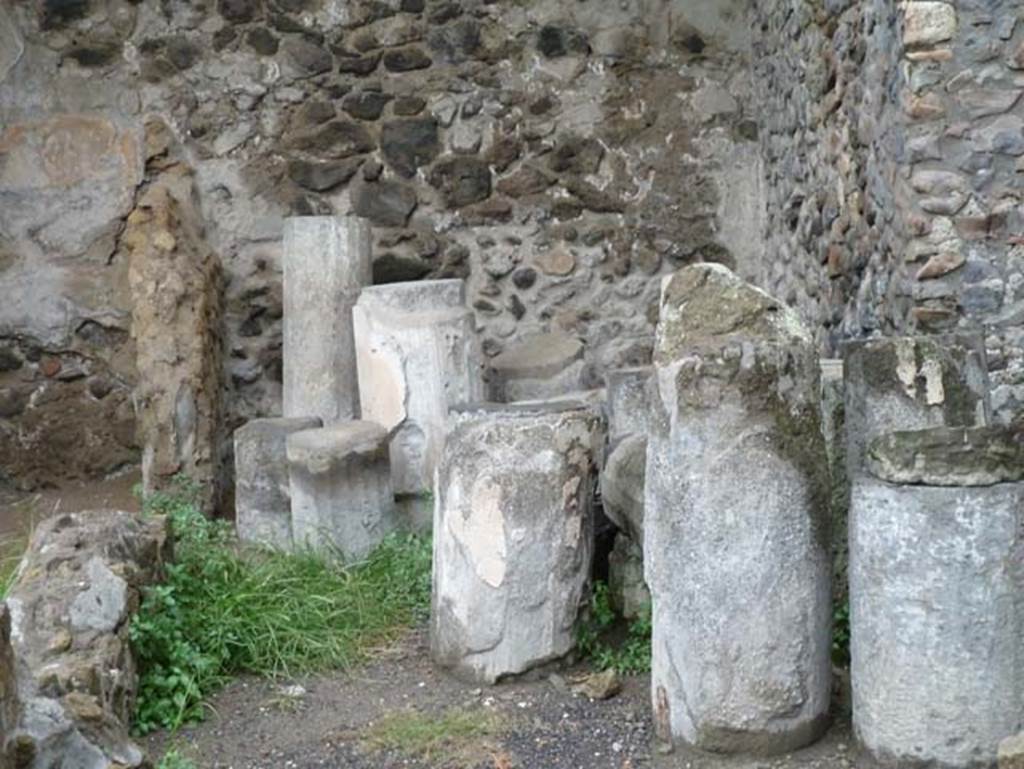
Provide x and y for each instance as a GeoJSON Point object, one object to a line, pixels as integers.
{"type": "Point", "coordinates": [560, 156]}
{"type": "Point", "coordinates": [892, 148]}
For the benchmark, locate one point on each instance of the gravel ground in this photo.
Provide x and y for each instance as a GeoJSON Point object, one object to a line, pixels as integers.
{"type": "Point", "coordinates": [255, 725]}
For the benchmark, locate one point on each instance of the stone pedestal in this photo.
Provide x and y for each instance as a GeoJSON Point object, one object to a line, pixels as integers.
{"type": "Point", "coordinates": [513, 533]}
{"type": "Point", "coordinates": [936, 611]}
{"type": "Point", "coordinates": [340, 483]}
{"type": "Point", "coordinates": [910, 383]}
{"type": "Point", "coordinates": [263, 512]}
{"type": "Point", "coordinates": [736, 536]}
{"type": "Point", "coordinates": [628, 401]}
{"type": "Point", "coordinates": [622, 494]}
{"type": "Point", "coordinates": [417, 356]}
{"type": "Point", "coordinates": [326, 262]}
{"type": "Point", "coordinates": [538, 366]}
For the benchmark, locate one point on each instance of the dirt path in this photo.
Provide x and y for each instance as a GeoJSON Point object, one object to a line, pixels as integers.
{"type": "Point", "coordinates": [335, 721]}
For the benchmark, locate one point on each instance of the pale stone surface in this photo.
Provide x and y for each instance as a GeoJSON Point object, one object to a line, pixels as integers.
{"type": "Point", "coordinates": [538, 366]}
{"type": "Point", "coordinates": [340, 482]}
{"type": "Point", "coordinates": [513, 531]}
{"type": "Point", "coordinates": [417, 356]}
{"type": "Point", "coordinates": [626, 584]}
{"type": "Point", "coordinates": [326, 263]}
{"type": "Point", "coordinates": [71, 608]}
{"type": "Point", "coordinates": [936, 620]}
{"type": "Point", "coordinates": [910, 383]}
{"type": "Point", "coordinates": [928, 23]}
{"type": "Point", "coordinates": [949, 456]}
{"type": "Point", "coordinates": [622, 485]}
{"type": "Point", "coordinates": [736, 544]}
{"type": "Point", "coordinates": [628, 401]}
{"type": "Point", "coordinates": [11, 44]}
{"type": "Point", "coordinates": [262, 495]}
{"type": "Point", "coordinates": [1011, 752]}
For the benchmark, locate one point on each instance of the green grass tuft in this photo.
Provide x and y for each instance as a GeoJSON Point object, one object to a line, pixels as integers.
{"type": "Point", "coordinates": [226, 609]}
{"type": "Point", "coordinates": [175, 759]}
{"type": "Point", "coordinates": [440, 739]}
{"type": "Point", "coordinates": [632, 654]}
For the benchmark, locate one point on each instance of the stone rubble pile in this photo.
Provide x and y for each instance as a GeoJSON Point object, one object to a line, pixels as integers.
{"type": "Point", "coordinates": [723, 468]}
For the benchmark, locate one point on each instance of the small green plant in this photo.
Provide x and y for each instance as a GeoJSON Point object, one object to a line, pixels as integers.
{"type": "Point", "coordinates": [841, 634]}
{"type": "Point", "coordinates": [225, 609]}
{"type": "Point", "coordinates": [632, 654]}
{"type": "Point", "coordinates": [440, 739]}
{"type": "Point", "coordinates": [174, 759]}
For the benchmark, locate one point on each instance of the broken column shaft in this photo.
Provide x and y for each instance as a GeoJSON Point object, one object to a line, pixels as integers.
{"type": "Point", "coordinates": [513, 530]}
{"type": "Point", "coordinates": [326, 261]}
{"type": "Point", "coordinates": [736, 528]}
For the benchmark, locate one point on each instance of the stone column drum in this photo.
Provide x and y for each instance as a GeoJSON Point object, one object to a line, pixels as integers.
{"type": "Point", "coordinates": [910, 383]}
{"type": "Point", "coordinates": [513, 531]}
{"type": "Point", "coordinates": [326, 262]}
{"type": "Point", "coordinates": [263, 512]}
{"type": "Point", "coordinates": [736, 535]}
{"type": "Point", "coordinates": [417, 356]}
{"type": "Point", "coordinates": [936, 602]}
{"type": "Point", "coordinates": [340, 481]}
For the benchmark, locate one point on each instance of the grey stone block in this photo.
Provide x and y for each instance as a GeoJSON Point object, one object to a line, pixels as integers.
{"type": "Point", "coordinates": [262, 498]}
{"type": "Point", "coordinates": [513, 536]}
{"type": "Point", "coordinates": [736, 535]}
{"type": "Point", "coordinates": [417, 357]}
{"type": "Point", "coordinates": [936, 612]}
{"type": "Point", "coordinates": [340, 481]}
{"type": "Point", "coordinates": [628, 401]}
{"type": "Point", "coordinates": [326, 262]}
{"type": "Point", "coordinates": [539, 366]}
{"type": "Point", "coordinates": [911, 383]}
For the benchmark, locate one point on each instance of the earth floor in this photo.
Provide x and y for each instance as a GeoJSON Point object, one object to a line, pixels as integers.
{"type": "Point", "coordinates": [331, 721]}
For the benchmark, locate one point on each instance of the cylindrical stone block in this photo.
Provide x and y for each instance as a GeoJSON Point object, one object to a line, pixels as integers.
{"type": "Point", "coordinates": [417, 357]}
{"type": "Point", "coordinates": [911, 383]}
{"type": "Point", "coordinates": [936, 601]}
{"type": "Point", "coordinates": [263, 512]}
{"type": "Point", "coordinates": [538, 366]}
{"type": "Point", "coordinates": [513, 531]}
{"type": "Point", "coordinates": [326, 261]}
{"type": "Point", "coordinates": [341, 489]}
{"type": "Point", "coordinates": [736, 535]}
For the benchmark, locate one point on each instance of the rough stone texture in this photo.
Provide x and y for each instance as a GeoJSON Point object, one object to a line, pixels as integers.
{"type": "Point", "coordinates": [949, 456]}
{"type": "Point", "coordinates": [736, 530]}
{"type": "Point", "coordinates": [622, 486]}
{"type": "Point", "coordinates": [626, 584]}
{"type": "Point", "coordinates": [9, 706]}
{"type": "Point", "coordinates": [417, 357]}
{"type": "Point", "coordinates": [833, 427]}
{"type": "Point", "coordinates": [1011, 752]}
{"type": "Point", "coordinates": [176, 287]}
{"type": "Point", "coordinates": [326, 264]}
{"type": "Point", "coordinates": [537, 367]}
{"type": "Point", "coordinates": [628, 401]}
{"type": "Point", "coordinates": [936, 620]}
{"type": "Point", "coordinates": [263, 511]}
{"type": "Point", "coordinates": [340, 481]}
{"type": "Point", "coordinates": [513, 536]}
{"type": "Point", "coordinates": [76, 591]}
{"type": "Point", "coordinates": [907, 383]}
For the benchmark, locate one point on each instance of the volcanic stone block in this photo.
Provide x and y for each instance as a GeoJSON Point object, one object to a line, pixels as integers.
{"type": "Point", "coordinates": [539, 366]}
{"type": "Point", "coordinates": [326, 263]}
{"type": "Point", "coordinates": [736, 535]}
{"type": "Point", "coordinates": [513, 536]}
{"type": "Point", "coordinates": [340, 481]}
{"type": "Point", "coordinates": [628, 401]}
{"type": "Point", "coordinates": [910, 383]}
{"type": "Point", "coordinates": [262, 498]}
{"type": "Point", "coordinates": [936, 615]}
{"type": "Point", "coordinates": [417, 356]}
